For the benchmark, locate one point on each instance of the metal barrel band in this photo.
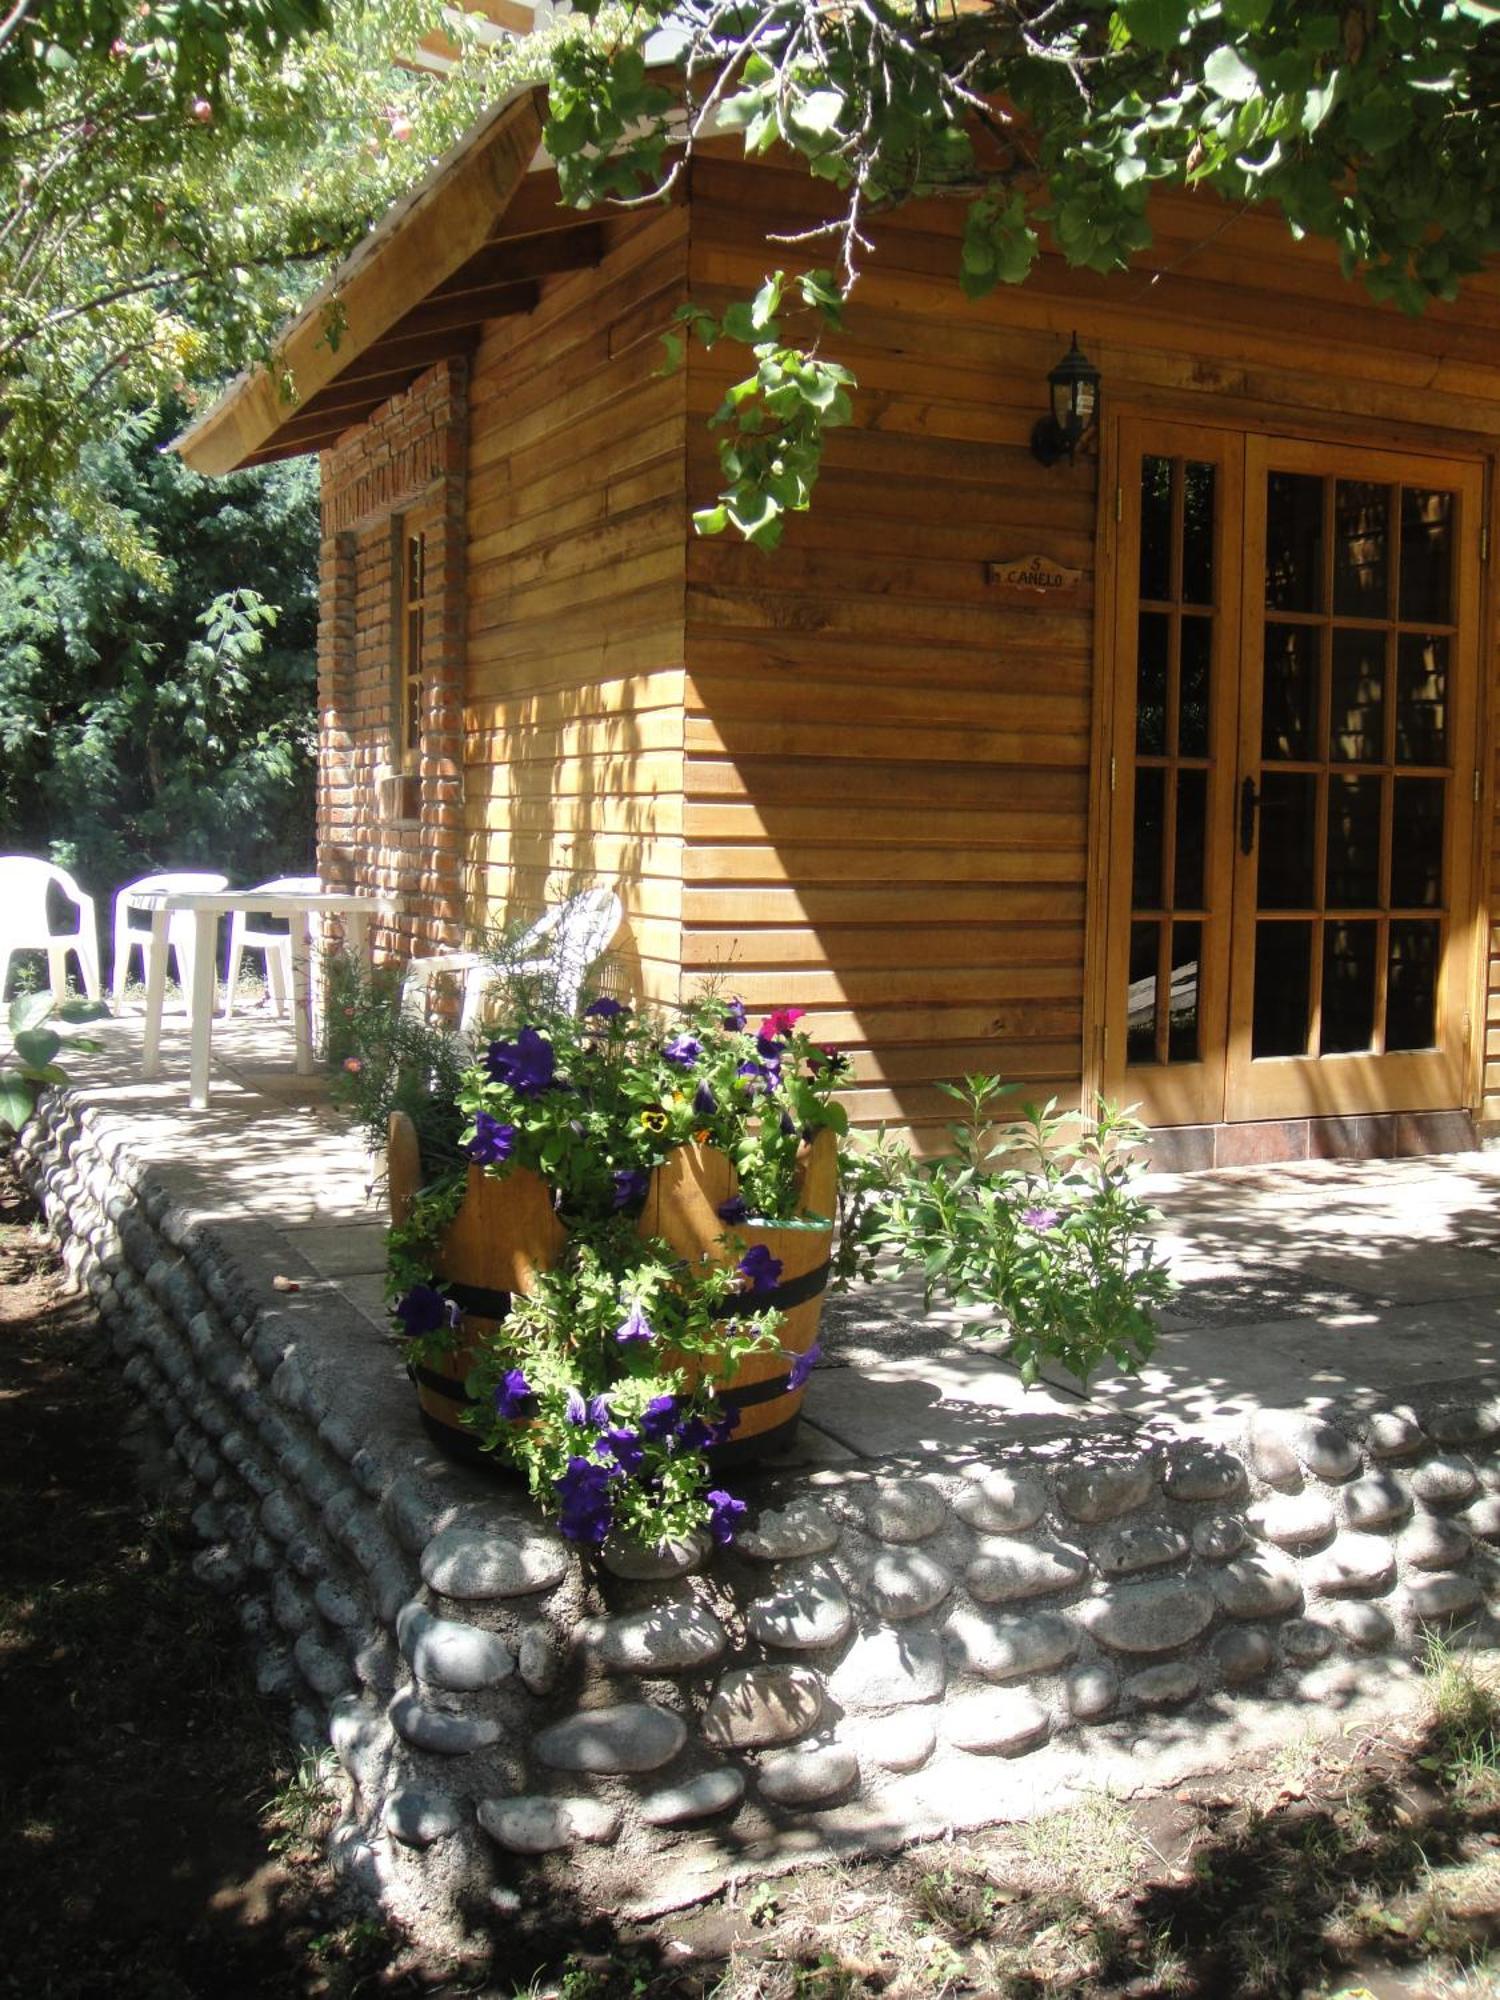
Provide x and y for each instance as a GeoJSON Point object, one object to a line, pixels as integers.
{"type": "Point", "coordinates": [477, 1299]}
{"type": "Point", "coordinates": [795, 1292]}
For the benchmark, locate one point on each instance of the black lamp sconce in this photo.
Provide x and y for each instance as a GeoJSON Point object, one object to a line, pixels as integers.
{"type": "Point", "coordinates": [1074, 388]}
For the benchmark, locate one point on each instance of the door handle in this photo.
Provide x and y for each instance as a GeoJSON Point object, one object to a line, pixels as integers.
{"type": "Point", "coordinates": [1249, 801]}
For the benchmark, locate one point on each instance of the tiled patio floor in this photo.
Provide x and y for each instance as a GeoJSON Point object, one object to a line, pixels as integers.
{"type": "Point", "coordinates": [1358, 1283]}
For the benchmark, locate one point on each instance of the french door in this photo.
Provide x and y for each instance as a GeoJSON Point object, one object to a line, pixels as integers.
{"type": "Point", "coordinates": [1293, 770]}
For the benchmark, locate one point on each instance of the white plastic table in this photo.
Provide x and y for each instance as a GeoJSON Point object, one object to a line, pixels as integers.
{"type": "Point", "coordinates": [299, 907]}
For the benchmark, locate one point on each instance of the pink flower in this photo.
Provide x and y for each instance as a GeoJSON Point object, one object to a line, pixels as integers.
{"type": "Point", "coordinates": [779, 1023]}
{"type": "Point", "coordinates": [353, 1065]}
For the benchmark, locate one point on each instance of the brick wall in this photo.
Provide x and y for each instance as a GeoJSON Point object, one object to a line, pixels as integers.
{"type": "Point", "coordinates": [411, 454]}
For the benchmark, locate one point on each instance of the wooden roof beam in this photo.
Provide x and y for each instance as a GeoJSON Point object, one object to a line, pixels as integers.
{"type": "Point", "coordinates": [423, 242]}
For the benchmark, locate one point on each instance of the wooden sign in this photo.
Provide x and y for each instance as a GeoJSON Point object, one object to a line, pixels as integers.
{"type": "Point", "coordinates": [1038, 573]}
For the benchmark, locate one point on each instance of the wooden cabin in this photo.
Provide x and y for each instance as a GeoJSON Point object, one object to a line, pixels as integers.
{"type": "Point", "coordinates": [1165, 775]}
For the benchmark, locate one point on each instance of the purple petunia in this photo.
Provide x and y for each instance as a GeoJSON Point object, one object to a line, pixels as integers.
{"type": "Point", "coordinates": [528, 1064]}
{"type": "Point", "coordinates": [492, 1142]}
{"type": "Point", "coordinates": [769, 1050]}
{"type": "Point", "coordinates": [599, 1410]}
{"type": "Point", "coordinates": [734, 1017]}
{"type": "Point", "coordinates": [513, 1398]}
{"type": "Point", "coordinates": [727, 1425]}
{"type": "Point", "coordinates": [605, 1009]}
{"type": "Point", "coordinates": [631, 1184]}
{"type": "Point", "coordinates": [423, 1310]}
{"type": "Point", "coordinates": [736, 1209]}
{"type": "Point", "coordinates": [575, 1409]}
{"type": "Point", "coordinates": [704, 1101]}
{"type": "Point", "coordinates": [1041, 1219]}
{"type": "Point", "coordinates": [694, 1434]}
{"type": "Point", "coordinates": [758, 1076]}
{"type": "Point", "coordinates": [803, 1365]}
{"type": "Point", "coordinates": [724, 1512]}
{"type": "Point", "coordinates": [623, 1446]}
{"type": "Point", "coordinates": [760, 1268]}
{"type": "Point", "coordinates": [683, 1050]}
{"type": "Point", "coordinates": [634, 1327]}
{"type": "Point", "coordinates": [586, 1511]}
{"type": "Point", "coordinates": [658, 1418]}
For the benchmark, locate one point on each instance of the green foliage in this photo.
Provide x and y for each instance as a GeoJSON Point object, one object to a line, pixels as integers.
{"type": "Point", "coordinates": [1047, 1232]}
{"type": "Point", "coordinates": [382, 1060]}
{"type": "Point", "coordinates": [34, 1048]}
{"type": "Point", "coordinates": [174, 178]}
{"type": "Point", "coordinates": [140, 731]}
{"type": "Point", "coordinates": [1368, 124]}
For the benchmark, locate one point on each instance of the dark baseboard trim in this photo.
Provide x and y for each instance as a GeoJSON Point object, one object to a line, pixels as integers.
{"type": "Point", "coordinates": [1383, 1135]}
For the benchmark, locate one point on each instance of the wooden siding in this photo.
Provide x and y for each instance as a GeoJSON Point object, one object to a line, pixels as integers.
{"type": "Point", "coordinates": [892, 768]}
{"type": "Point", "coordinates": [573, 718]}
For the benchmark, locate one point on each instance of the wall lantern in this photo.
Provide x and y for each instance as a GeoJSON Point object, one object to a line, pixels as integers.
{"type": "Point", "coordinates": [1074, 386]}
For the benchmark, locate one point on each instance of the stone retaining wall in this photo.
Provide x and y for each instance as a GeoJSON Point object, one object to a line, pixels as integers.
{"type": "Point", "coordinates": [886, 1653]}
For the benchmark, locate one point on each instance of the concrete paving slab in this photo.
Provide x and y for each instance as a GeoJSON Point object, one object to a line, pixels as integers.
{"type": "Point", "coordinates": [341, 1249]}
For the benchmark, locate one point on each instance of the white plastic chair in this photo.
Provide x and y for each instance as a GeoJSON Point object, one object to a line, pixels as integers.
{"type": "Point", "coordinates": [275, 947]}
{"type": "Point", "coordinates": [578, 930]}
{"type": "Point", "coordinates": [26, 926]}
{"type": "Point", "coordinates": [181, 928]}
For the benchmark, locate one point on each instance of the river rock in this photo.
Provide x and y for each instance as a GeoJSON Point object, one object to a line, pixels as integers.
{"type": "Point", "coordinates": [1218, 1537]}
{"type": "Point", "coordinates": [998, 1501]}
{"type": "Point", "coordinates": [1010, 1649]}
{"type": "Point", "coordinates": [1262, 1585]}
{"type": "Point", "coordinates": [630, 1736]}
{"type": "Point", "coordinates": [1166, 1686]}
{"type": "Point", "coordinates": [1356, 1566]}
{"type": "Point", "coordinates": [696, 1798]}
{"type": "Point", "coordinates": [754, 1706]}
{"type": "Point", "coordinates": [1203, 1472]}
{"type": "Point", "coordinates": [901, 1742]}
{"type": "Point", "coordinates": [638, 1564]}
{"type": "Point", "coordinates": [1393, 1434]}
{"type": "Point", "coordinates": [905, 1583]}
{"type": "Point", "coordinates": [997, 1722]}
{"type": "Point", "coordinates": [810, 1777]}
{"type": "Point", "coordinates": [1436, 1598]}
{"type": "Point", "coordinates": [1363, 1625]}
{"type": "Point", "coordinates": [1433, 1543]}
{"type": "Point", "coordinates": [808, 1610]}
{"type": "Point", "coordinates": [1243, 1654]}
{"type": "Point", "coordinates": [543, 1826]}
{"type": "Point", "coordinates": [1004, 1571]}
{"type": "Point", "coordinates": [418, 1819]}
{"type": "Point", "coordinates": [1483, 1518]}
{"type": "Point", "coordinates": [1092, 1692]}
{"type": "Point", "coordinates": [1149, 1546]}
{"type": "Point", "coordinates": [888, 1670]}
{"type": "Point", "coordinates": [449, 1654]}
{"type": "Point", "coordinates": [801, 1529]}
{"type": "Point", "coordinates": [1378, 1500]}
{"type": "Point", "coordinates": [667, 1639]}
{"type": "Point", "coordinates": [463, 1563]}
{"type": "Point", "coordinates": [438, 1729]}
{"type": "Point", "coordinates": [904, 1511]}
{"type": "Point", "coordinates": [1151, 1617]}
{"type": "Point", "coordinates": [1462, 1423]}
{"type": "Point", "coordinates": [1305, 1641]}
{"type": "Point", "coordinates": [1295, 1520]}
{"type": "Point", "coordinates": [1105, 1488]}
{"type": "Point", "coordinates": [1444, 1481]}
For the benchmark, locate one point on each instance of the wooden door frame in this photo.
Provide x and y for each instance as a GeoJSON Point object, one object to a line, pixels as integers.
{"type": "Point", "coordinates": [1338, 432]}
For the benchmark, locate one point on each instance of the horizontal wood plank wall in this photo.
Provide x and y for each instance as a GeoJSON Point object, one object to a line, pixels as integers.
{"type": "Point", "coordinates": [573, 718]}
{"type": "Point", "coordinates": [888, 758]}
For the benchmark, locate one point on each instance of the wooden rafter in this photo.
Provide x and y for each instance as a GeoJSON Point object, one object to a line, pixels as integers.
{"type": "Point", "coordinates": [421, 245]}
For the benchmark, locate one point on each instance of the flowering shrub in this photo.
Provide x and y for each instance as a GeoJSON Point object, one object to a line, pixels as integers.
{"type": "Point", "coordinates": [1047, 1232]}
{"type": "Point", "coordinates": [601, 1384]}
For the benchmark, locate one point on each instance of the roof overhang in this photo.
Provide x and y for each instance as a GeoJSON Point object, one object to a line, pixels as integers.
{"type": "Point", "coordinates": [416, 290]}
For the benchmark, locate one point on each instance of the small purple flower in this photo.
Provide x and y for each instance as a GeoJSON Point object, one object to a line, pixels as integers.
{"type": "Point", "coordinates": [724, 1512]}
{"type": "Point", "coordinates": [658, 1418]}
{"type": "Point", "coordinates": [586, 1513]}
{"type": "Point", "coordinates": [803, 1365]}
{"type": "Point", "coordinates": [736, 1209]}
{"type": "Point", "coordinates": [605, 1009]}
{"type": "Point", "coordinates": [769, 1050]}
{"type": "Point", "coordinates": [704, 1101]}
{"type": "Point", "coordinates": [634, 1327]}
{"type": "Point", "coordinates": [623, 1446]}
{"type": "Point", "coordinates": [1041, 1219]}
{"type": "Point", "coordinates": [513, 1398]}
{"type": "Point", "coordinates": [528, 1064]}
{"type": "Point", "coordinates": [575, 1409]}
{"type": "Point", "coordinates": [683, 1050]}
{"type": "Point", "coordinates": [599, 1411]}
{"type": "Point", "coordinates": [423, 1310]}
{"type": "Point", "coordinates": [734, 1017]}
{"type": "Point", "coordinates": [762, 1270]}
{"type": "Point", "coordinates": [492, 1142]}
{"type": "Point", "coordinates": [694, 1435]}
{"type": "Point", "coordinates": [727, 1425]}
{"type": "Point", "coordinates": [631, 1184]}
{"type": "Point", "coordinates": [758, 1076]}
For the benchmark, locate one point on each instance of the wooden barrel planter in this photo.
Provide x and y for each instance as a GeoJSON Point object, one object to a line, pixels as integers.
{"type": "Point", "coordinates": [507, 1231]}
{"type": "Point", "coordinates": [682, 1207]}
{"type": "Point", "coordinates": [503, 1235]}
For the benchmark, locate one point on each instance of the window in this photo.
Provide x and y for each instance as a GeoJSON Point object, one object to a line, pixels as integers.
{"type": "Point", "coordinates": [413, 600]}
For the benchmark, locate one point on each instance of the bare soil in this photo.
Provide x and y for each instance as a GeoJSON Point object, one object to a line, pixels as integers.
{"type": "Point", "coordinates": [158, 1842]}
